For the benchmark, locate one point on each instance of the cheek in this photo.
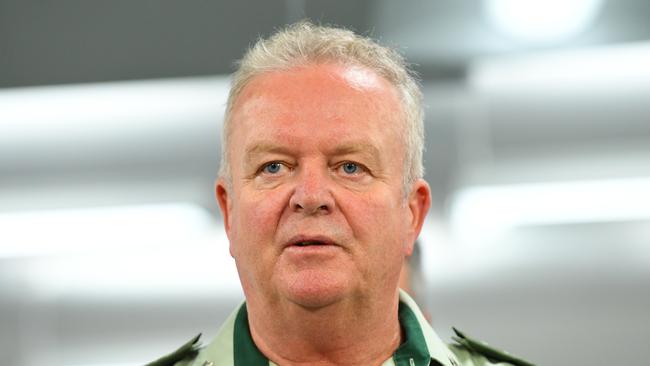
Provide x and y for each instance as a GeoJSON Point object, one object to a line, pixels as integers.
{"type": "Point", "coordinates": [256, 220]}
{"type": "Point", "coordinates": [379, 227]}
{"type": "Point", "coordinates": [379, 219]}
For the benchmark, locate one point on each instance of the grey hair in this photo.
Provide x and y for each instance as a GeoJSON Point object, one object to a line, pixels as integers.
{"type": "Point", "coordinates": [304, 43]}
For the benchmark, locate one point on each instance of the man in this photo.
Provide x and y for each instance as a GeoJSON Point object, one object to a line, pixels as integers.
{"type": "Point", "coordinates": [322, 196]}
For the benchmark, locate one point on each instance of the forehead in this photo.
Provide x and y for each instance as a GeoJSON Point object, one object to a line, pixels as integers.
{"type": "Point", "coordinates": [328, 74]}
{"type": "Point", "coordinates": [318, 93]}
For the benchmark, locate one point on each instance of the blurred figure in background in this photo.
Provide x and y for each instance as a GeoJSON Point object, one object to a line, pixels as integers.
{"type": "Point", "coordinates": [322, 196]}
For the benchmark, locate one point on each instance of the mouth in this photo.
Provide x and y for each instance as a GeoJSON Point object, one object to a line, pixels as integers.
{"type": "Point", "coordinates": [307, 241]}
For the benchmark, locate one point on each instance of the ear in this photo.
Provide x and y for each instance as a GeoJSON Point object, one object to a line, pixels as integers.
{"type": "Point", "coordinates": [225, 204]}
{"type": "Point", "coordinates": [419, 201]}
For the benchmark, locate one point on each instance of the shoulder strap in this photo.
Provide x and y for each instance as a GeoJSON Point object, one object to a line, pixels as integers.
{"type": "Point", "coordinates": [488, 352]}
{"type": "Point", "coordinates": [189, 349]}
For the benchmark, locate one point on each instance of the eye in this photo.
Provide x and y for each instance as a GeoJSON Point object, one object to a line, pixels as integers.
{"type": "Point", "coordinates": [350, 168]}
{"type": "Point", "coordinates": [273, 167]}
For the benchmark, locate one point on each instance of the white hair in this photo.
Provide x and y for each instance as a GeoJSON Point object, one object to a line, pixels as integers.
{"type": "Point", "coordinates": [304, 43]}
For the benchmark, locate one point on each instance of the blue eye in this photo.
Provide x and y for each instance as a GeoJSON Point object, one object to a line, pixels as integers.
{"type": "Point", "coordinates": [350, 168]}
{"type": "Point", "coordinates": [272, 168]}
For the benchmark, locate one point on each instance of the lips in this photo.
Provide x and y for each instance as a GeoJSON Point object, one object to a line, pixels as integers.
{"type": "Point", "coordinates": [307, 241]}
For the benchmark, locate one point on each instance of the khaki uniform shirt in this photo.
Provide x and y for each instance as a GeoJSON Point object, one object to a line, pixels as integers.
{"type": "Point", "coordinates": [233, 346]}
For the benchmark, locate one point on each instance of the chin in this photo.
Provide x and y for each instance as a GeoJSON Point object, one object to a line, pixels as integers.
{"type": "Point", "coordinates": [314, 290]}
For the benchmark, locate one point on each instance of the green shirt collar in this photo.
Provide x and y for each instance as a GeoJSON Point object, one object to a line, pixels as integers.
{"type": "Point", "coordinates": [234, 344]}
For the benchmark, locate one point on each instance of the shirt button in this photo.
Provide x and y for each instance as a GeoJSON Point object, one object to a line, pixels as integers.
{"type": "Point", "coordinates": [208, 363]}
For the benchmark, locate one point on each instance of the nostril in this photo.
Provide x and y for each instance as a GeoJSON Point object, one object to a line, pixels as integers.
{"type": "Point", "coordinates": [311, 201]}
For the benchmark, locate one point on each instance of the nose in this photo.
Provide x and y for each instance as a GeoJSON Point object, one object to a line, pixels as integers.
{"type": "Point", "coordinates": [312, 195]}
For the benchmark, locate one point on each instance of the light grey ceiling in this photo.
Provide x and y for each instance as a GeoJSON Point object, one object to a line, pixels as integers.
{"type": "Point", "coordinates": [553, 293]}
{"type": "Point", "coordinates": [76, 41]}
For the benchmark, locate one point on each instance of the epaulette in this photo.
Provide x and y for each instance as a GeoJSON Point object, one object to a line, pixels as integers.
{"type": "Point", "coordinates": [488, 352]}
{"type": "Point", "coordinates": [189, 349]}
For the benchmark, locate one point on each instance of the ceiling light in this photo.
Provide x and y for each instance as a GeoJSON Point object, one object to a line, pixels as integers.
{"type": "Point", "coordinates": [604, 69]}
{"type": "Point", "coordinates": [482, 214]}
{"type": "Point", "coordinates": [119, 252]}
{"type": "Point", "coordinates": [118, 228]}
{"type": "Point", "coordinates": [541, 21]}
{"type": "Point", "coordinates": [41, 114]}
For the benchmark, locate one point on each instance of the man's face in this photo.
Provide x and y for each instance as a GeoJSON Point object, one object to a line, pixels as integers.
{"type": "Point", "coordinates": [316, 212]}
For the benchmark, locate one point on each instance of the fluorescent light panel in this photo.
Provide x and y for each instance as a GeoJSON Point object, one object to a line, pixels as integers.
{"type": "Point", "coordinates": [57, 112]}
{"type": "Point", "coordinates": [118, 252]}
{"type": "Point", "coordinates": [35, 233]}
{"type": "Point", "coordinates": [604, 69]}
{"type": "Point", "coordinates": [541, 21]}
{"type": "Point", "coordinates": [479, 214]}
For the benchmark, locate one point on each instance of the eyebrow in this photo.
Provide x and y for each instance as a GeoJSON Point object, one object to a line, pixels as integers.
{"type": "Point", "coordinates": [263, 148]}
{"type": "Point", "coordinates": [353, 147]}
{"type": "Point", "coordinates": [357, 147]}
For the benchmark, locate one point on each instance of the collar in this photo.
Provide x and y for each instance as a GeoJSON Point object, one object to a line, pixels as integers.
{"type": "Point", "coordinates": [438, 350]}
{"type": "Point", "coordinates": [234, 344]}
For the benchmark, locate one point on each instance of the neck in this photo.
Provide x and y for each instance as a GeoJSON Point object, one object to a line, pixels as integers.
{"type": "Point", "coordinates": [351, 332]}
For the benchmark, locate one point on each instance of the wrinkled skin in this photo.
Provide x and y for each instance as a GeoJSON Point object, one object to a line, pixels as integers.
{"type": "Point", "coordinates": [316, 154]}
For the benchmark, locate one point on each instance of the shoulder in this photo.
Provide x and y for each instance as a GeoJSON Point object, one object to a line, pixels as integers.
{"type": "Point", "coordinates": [183, 356]}
{"type": "Point", "coordinates": [471, 352]}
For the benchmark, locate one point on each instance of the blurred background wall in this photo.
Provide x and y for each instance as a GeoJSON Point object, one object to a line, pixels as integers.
{"type": "Point", "coordinates": [538, 152]}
